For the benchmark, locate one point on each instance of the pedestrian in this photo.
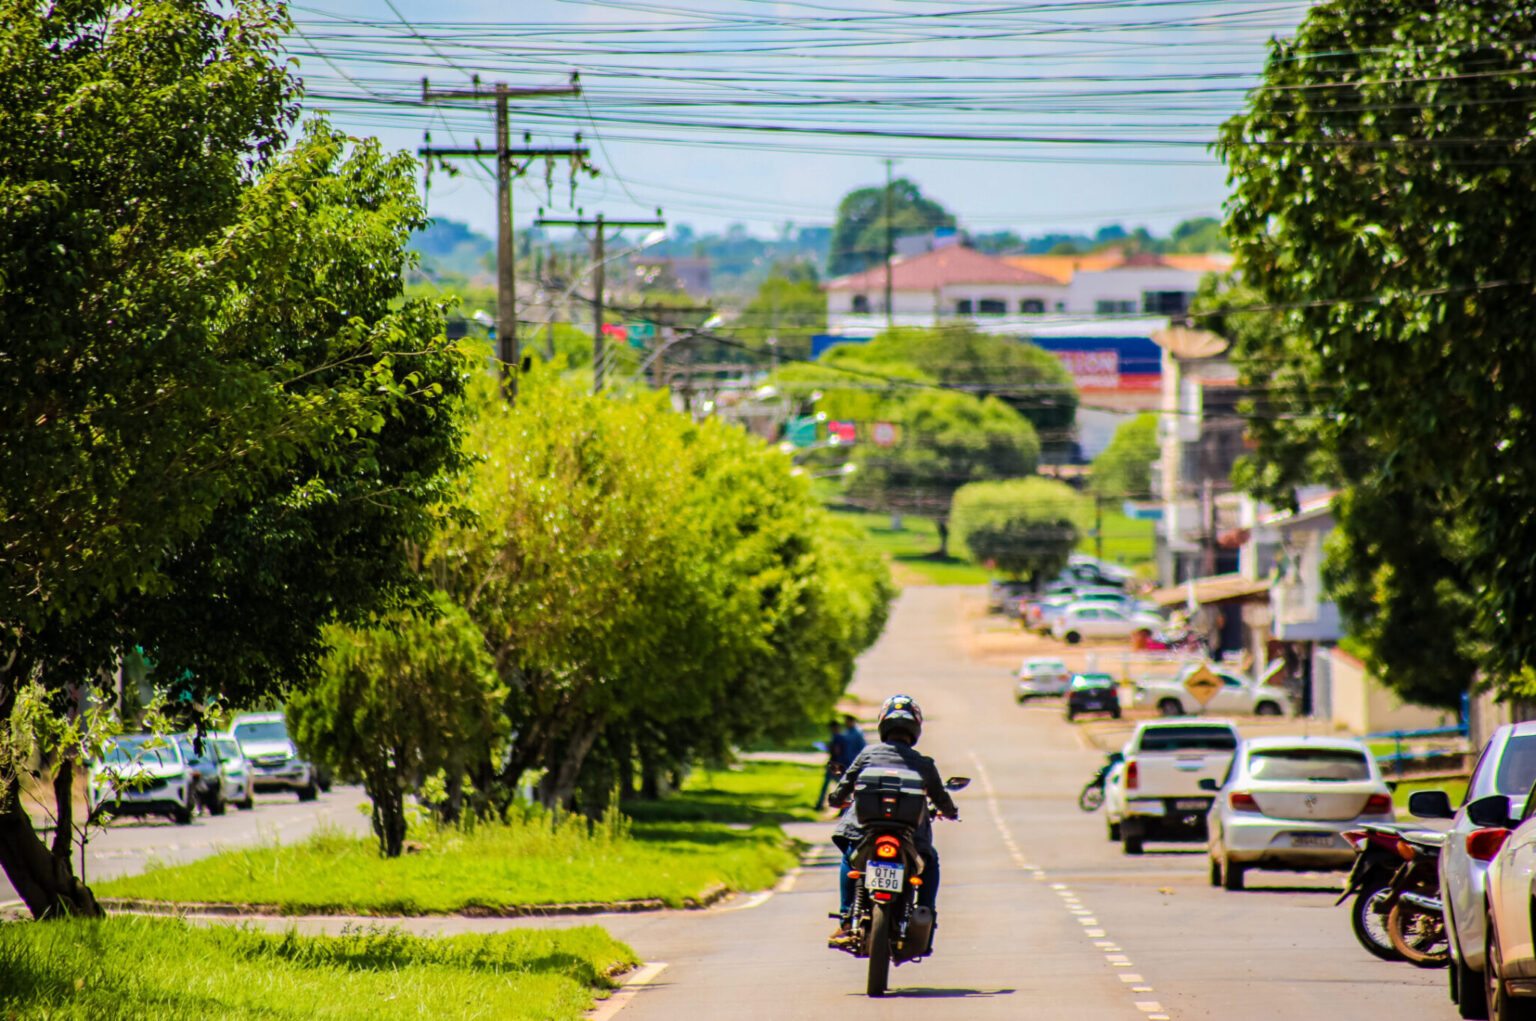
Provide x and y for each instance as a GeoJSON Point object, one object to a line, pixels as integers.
{"type": "Point", "coordinates": [837, 759]}
{"type": "Point", "coordinates": [854, 738]}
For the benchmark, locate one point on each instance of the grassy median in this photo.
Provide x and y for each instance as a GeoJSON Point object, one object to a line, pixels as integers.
{"type": "Point", "coordinates": [136, 968]}
{"type": "Point", "coordinates": [721, 831]}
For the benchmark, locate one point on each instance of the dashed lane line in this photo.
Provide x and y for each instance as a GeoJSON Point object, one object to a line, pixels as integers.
{"type": "Point", "coordinates": [636, 980]}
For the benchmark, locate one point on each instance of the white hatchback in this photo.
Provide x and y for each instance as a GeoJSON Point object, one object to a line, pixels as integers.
{"type": "Point", "coordinates": [1040, 676]}
{"type": "Point", "coordinates": [1286, 803]}
{"type": "Point", "coordinates": [1101, 620]}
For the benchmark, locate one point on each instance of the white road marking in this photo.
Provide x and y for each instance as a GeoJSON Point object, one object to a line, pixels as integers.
{"type": "Point", "coordinates": [641, 977]}
{"type": "Point", "coordinates": [1130, 978]}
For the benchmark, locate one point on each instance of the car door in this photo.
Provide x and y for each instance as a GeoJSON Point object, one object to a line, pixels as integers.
{"type": "Point", "coordinates": [1512, 881]}
{"type": "Point", "coordinates": [1232, 697]}
{"type": "Point", "coordinates": [1111, 623]}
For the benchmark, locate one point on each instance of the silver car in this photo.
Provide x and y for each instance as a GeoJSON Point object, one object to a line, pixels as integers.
{"type": "Point", "coordinates": [274, 758]}
{"type": "Point", "coordinates": [1040, 676]}
{"type": "Point", "coordinates": [1286, 802]}
{"type": "Point", "coordinates": [235, 772]}
{"type": "Point", "coordinates": [1507, 766]}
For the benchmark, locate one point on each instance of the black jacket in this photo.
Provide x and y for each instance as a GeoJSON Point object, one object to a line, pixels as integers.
{"type": "Point", "coordinates": [891, 755]}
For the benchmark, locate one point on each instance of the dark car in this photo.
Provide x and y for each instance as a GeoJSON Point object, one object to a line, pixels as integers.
{"type": "Point", "coordinates": [1093, 693]}
{"type": "Point", "coordinates": [205, 767]}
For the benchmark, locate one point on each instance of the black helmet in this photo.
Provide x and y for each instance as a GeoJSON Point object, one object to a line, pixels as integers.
{"type": "Point", "coordinates": [901, 715]}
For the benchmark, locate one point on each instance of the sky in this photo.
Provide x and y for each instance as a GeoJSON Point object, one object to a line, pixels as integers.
{"type": "Point", "coordinates": [1038, 116]}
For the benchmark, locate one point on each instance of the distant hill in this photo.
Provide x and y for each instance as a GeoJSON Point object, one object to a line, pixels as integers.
{"type": "Point", "coordinates": [448, 246]}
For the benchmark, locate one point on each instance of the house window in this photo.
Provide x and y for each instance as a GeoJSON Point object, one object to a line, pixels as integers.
{"type": "Point", "coordinates": [992, 307]}
{"type": "Point", "coordinates": [1031, 306]}
{"type": "Point", "coordinates": [1166, 303]}
{"type": "Point", "coordinates": [1114, 308]}
{"type": "Point", "coordinates": [861, 304]}
{"type": "Point", "coordinates": [963, 307]}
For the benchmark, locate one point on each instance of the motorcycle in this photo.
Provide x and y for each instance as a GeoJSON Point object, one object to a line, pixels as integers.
{"type": "Point", "coordinates": [888, 925]}
{"type": "Point", "coordinates": [1092, 796]}
{"type": "Point", "coordinates": [1397, 913]}
{"type": "Point", "coordinates": [1416, 922]}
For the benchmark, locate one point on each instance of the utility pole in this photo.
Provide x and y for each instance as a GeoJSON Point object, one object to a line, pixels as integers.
{"type": "Point", "coordinates": [599, 227]}
{"type": "Point", "coordinates": [506, 256]}
{"type": "Point", "coordinates": [890, 249]}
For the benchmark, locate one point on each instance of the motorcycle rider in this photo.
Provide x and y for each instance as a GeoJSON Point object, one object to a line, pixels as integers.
{"type": "Point", "coordinates": [900, 724]}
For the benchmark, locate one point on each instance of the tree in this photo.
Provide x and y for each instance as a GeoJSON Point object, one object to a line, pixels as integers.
{"type": "Point", "coordinates": [410, 695]}
{"type": "Point", "coordinates": [1200, 234]}
{"type": "Point", "coordinates": [1378, 205]}
{"type": "Point", "coordinates": [225, 425]}
{"type": "Point", "coordinates": [1025, 528]}
{"type": "Point", "coordinates": [1028, 379]}
{"type": "Point", "coordinates": [858, 234]}
{"type": "Point", "coordinates": [1123, 470]}
{"type": "Point", "coordinates": [788, 308]}
{"type": "Point", "coordinates": [947, 440]}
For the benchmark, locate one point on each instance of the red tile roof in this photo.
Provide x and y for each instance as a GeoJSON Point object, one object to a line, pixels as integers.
{"type": "Point", "coordinates": [941, 267]}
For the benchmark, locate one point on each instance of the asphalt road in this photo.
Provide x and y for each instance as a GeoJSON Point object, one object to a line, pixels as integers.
{"type": "Point", "coordinates": [1040, 916]}
{"type": "Point", "coordinates": [126, 846]}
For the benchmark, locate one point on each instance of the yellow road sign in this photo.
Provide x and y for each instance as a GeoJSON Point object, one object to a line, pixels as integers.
{"type": "Point", "coordinates": [1202, 684]}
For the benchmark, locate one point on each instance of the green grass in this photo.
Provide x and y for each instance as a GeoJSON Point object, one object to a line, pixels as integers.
{"type": "Point", "coordinates": [136, 968]}
{"type": "Point", "coordinates": [1456, 789]}
{"type": "Point", "coordinates": [911, 548]}
{"type": "Point", "coordinates": [721, 831]}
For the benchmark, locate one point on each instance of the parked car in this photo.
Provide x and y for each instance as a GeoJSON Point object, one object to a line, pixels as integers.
{"type": "Point", "coordinates": [208, 784]}
{"type": "Point", "coordinates": [1507, 825]}
{"type": "Point", "coordinates": [275, 760]}
{"type": "Point", "coordinates": [1093, 693]}
{"type": "Point", "coordinates": [1506, 767]}
{"type": "Point", "coordinates": [142, 774]}
{"type": "Point", "coordinates": [1155, 794]}
{"type": "Point", "coordinates": [1041, 676]}
{"type": "Point", "coordinates": [1286, 803]}
{"type": "Point", "coordinates": [1003, 594]}
{"type": "Point", "coordinates": [1236, 695]}
{"type": "Point", "coordinates": [1097, 572]}
{"type": "Point", "coordinates": [236, 773]}
{"type": "Point", "coordinates": [1094, 620]}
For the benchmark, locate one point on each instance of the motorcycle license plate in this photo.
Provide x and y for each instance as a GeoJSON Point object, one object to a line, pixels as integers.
{"type": "Point", "coordinates": [885, 878]}
{"type": "Point", "coordinates": [1313, 840]}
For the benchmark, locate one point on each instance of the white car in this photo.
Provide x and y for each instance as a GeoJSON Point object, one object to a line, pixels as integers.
{"type": "Point", "coordinates": [1040, 676]}
{"type": "Point", "coordinates": [1236, 695]}
{"type": "Point", "coordinates": [143, 774]}
{"type": "Point", "coordinates": [1286, 803]}
{"type": "Point", "coordinates": [1509, 956]}
{"type": "Point", "coordinates": [1155, 792]}
{"type": "Point", "coordinates": [274, 758]}
{"type": "Point", "coordinates": [1506, 767]}
{"type": "Point", "coordinates": [235, 773]}
{"type": "Point", "coordinates": [1096, 620]}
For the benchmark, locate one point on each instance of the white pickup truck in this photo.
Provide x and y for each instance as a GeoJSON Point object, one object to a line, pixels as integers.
{"type": "Point", "coordinates": [1237, 694]}
{"type": "Point", "coordinates": [1155, 793]}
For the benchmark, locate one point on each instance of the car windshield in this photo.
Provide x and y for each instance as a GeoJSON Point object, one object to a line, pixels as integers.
{"type": "Point", "coordinates": [227, 750]}
{"type": "Point", "coordinates": [1182, 739]}
{"type": "Point", "coordinates": [1322, 764]}
{"type": "Point", "coordinates": [126, 750]}
{"type": "Point", "coordinates": [261, 730]}
{"type": "Point", "coordinates": [1517, 766]}
{"type": "Point", "coordinates": [1046, 666]}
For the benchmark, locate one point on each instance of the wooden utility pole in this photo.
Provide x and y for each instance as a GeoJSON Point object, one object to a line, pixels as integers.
{"type": "Point", "coordinates": [599, 227]}
{"type": "Point", "coordinates": [506, 168]}
{"type": "Point", "coordinates": [890, 250]}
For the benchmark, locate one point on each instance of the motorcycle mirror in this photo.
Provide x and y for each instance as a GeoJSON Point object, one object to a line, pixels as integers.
{"type": "Point", "coordinates": [957, 783]}
{"type": "Point", "coordinates": [1432, 805]}
{"type": "Point", "coordinates": [1207, 784]}
{"type": "Point", "coordinates": [1490, 811]}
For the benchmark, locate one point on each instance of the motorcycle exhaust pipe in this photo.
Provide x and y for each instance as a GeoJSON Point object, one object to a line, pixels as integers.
{"type": "Point", "coordinates": [1423, 903]}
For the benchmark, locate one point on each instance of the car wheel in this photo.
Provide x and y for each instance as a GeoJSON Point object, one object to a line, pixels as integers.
{"type": "Point", "coordinates": [1232, 876]}
{"type": "Point", "coordinates": [1131, 837]}
{"type": "Point", "coordinates": [1467, 990]}
{"type": "Point", "coordinates": [311, 792]}
{"type": "Point", "coordinates": [181, 815]}
{"type": "Point", "coordinates": [1114, 832]}
{"type": "Point", "coordinates": [217, 804]}
{"type": "Point", "coordinates": [1114, 714]}
{"type": "Point", "coordinates": [1072, 637]}
{"type": "Point", "coordinates": [1266, 709]}
{"type": "Point", "coordinates": [1501, 1006]}
{"type": "Point", "coordinates": [1215, 872]}
{"type": "Point", "coordinates": [1170, 707]}
{"type": "Point", "coordinates": [248, 802]}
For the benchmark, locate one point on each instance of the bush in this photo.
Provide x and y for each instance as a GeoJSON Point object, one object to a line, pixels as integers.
{"type": "Point", "coordinates": [1022, 527]}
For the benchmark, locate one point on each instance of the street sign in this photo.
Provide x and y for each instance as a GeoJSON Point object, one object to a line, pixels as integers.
{"type": "Point", "coordinates": [1203, 684]}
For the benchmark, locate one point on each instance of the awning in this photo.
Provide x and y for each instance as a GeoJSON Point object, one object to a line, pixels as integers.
{"type": "Point", "coordinates": [1218, 588]}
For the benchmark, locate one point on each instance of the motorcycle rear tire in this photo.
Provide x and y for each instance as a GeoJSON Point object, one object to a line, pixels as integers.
{"type": "Point", "coordinates": [1359, 922]}
{"type": "Point", "coordinates": [1398, 923]}
{"type": "Point", "coordinates": [1091, 797]}
{"type": "Point", "coordinates": [879, 951]}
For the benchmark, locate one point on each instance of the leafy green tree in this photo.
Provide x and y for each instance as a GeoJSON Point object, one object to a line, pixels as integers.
{"type": "Point", "coordinates": [947, 440]}
{"type": "Point", "coordinates": [1025, 528]}
{"type": "Point", "coordinates": [1378, 205]}
{"type": "Point", "coordinates": [1200, 234]}
{"type": "Point", "coordinates": [787, 310]}
{"type": "Point", "coordinates": [1124, 468]}
{"type": "Point", "coordinates": [1030, 380]}
{"type": "Point", "coordinates": [225, 424]}
{"type": "Point", "coordinates": [858, 234]}
{"type": "Point", "coordinates": [407, 696]}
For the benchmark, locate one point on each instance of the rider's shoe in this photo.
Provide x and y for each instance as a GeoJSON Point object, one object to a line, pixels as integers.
{"type": "Point", "coordinates": [842, 938]}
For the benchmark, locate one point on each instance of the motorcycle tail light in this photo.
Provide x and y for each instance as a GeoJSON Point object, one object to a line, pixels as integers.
{"type": "Point", "coordinates": [1406, 850]}
{"type": "Point", "coordinates": [887, 847]}
{"type": "Point", "coordinates": [1378, 804]}
{"type": "Point", "coordinates": [1242, 801]}
{"type": "Point", "coordinates": [1485, 843]}
{"type": "Point", "coordinates": [1132, 776]}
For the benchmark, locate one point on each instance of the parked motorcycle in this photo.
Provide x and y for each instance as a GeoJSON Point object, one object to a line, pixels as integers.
{"type": "Point", "coordinates": [1370, 880]}
{"type": "Point", "coordinates": [1396, 914]}
{"type": "Point", "coordinates": [888, 925]}
{"type": "Point", "coordinates": [1092, 796]}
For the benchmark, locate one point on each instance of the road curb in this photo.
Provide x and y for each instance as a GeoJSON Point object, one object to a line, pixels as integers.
{"type": "Point", "coordinates": [129, 906]}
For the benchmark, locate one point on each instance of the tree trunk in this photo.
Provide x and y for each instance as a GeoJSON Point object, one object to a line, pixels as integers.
{"type": "Point", "coordinates": [943, 525]}
{"type": "Point", "coordinates": [64, 810]}
{"type": "Point", "coordinates": [388, 817]}
{"type": "Point", "coordinates": [46, 884]}
{"type": "Point", "coordinates": [559, 784]}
